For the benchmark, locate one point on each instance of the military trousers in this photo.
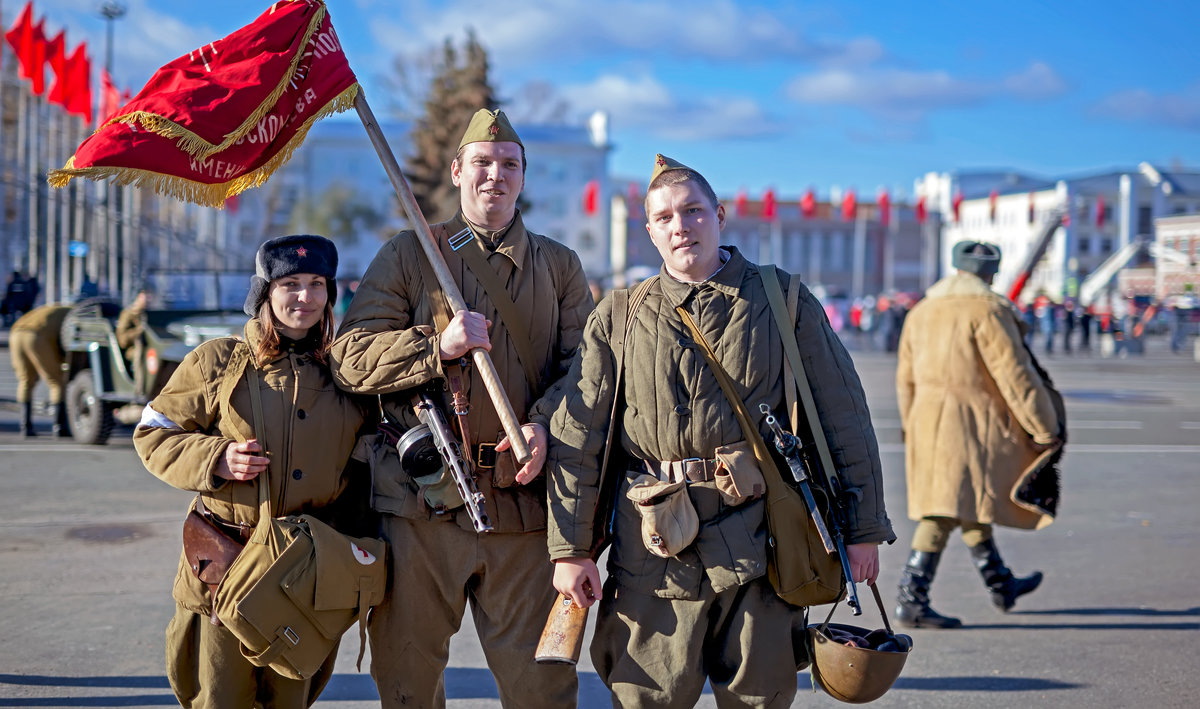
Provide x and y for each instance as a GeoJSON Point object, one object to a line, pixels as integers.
{"type": "Point", "coordinates": [207, 670]}
{"type": "Point", "coordinates": [438, 568]}
{"type": "Point", "coordinates": [933, 533]}
{"type": "Point", "coordinates": [34, 359]}
{"type": "Point", "coordinates": [656, 652]}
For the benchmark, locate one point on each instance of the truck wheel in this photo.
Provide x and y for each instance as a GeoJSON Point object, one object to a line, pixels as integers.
{"type": "Point", "coordinates": [90, 418]}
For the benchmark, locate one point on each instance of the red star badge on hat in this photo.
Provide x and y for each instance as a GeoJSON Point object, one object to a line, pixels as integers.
{"type": "Point", "coordinates": [301, 252]}
{"type": "Point", "coordinates": [494, 129]}
{"type": "Point", "coordinates": [661, 160]}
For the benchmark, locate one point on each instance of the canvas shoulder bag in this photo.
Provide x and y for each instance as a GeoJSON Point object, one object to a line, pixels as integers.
{"type": "Point", "coordinates": [298, 584]}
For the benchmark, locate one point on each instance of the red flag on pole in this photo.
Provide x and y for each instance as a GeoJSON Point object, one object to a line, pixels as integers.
{"type": "Point", "coordinates": [221, 119]}
{"type": "Point", "coordinates": [769, 212]}
{"type": "Point", "coordinates": [110, 99]}
{"type": "Point", "coordinates": [1100, 212]}
{"type": "Point", "coordinates": [849, 206]}
{"type": "Point", "coordinates": [957, 204]}
{"type": "Point", "coordinates": [79, 84]}
{"type": "Point", "coordinates": [21, 38]}
{"type": "Point", "coordinates": [808, 204]}
{"type": "Point", "coordinates": [591, 197]}
{"type": "Point", "coordinates": [922, 215]}
{"type": "Point", "coordinates": [739, 203]}
{"type": "Point", "coordinates": [885, 208]}
{"type": "Point", "coordinates": [56, 57]}
{"type": "Point", "coordinates": [992, 197]}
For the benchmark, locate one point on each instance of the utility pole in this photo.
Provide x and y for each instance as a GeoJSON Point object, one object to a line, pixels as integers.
{"type": "Point", "coordinates": [115, 242]}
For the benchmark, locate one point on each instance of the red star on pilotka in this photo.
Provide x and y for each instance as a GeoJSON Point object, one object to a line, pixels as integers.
{"type": "Point", "coordinates": [301, 252]}
{"type": "Point", "coordinates": [661, 161]}
{"type": "Point", "coordinates": [494, 130]}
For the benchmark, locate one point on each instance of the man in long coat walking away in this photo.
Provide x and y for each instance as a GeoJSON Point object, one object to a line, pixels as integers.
{"type": "Point", "coordinates": [980, 421]}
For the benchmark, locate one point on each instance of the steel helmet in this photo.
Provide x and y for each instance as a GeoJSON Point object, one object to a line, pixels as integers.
{"type": "Point", "coordinates": [863, 670]}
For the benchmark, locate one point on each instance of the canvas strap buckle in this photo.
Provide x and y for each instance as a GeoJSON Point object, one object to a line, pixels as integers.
{"type": "Point", "coordinates": [485, 456]}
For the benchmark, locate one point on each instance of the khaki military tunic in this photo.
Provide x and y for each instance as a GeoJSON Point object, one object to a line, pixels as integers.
{"type": "Point", "coordinates": [387, 345]}
{"type": "Point", "coordinates": [36, 351]}
{"type": "Point", "coordinates": [310, 433]}
{"type": "Point", "coordinates": [674, 409]}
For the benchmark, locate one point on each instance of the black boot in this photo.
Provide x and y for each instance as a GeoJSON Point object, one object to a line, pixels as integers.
{"type": "Point", "coordinates": [1005, 588]}
{"type": "Point", "coordinates": [61, 429]}
{"type": "Point", "coordinates": [27, 419]}
{"type": "Point", "coordinates": [912, 609]}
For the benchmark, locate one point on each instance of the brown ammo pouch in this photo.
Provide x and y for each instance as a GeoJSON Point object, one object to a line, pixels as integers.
{"type": "Point", "coordinates": [210, 545]}
{"type": "Point", "coordinates": [738, 477]}
{"type": "Point", "coordinates": [298, 584]}
{"type": "Point", "coordinates": [669, 519]}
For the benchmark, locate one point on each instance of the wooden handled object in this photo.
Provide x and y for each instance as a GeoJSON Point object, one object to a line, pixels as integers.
{"type": "Point", "coordinates": [562, 638]}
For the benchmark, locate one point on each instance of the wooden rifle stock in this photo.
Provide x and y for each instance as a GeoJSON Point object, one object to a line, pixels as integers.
{"type": "Point", "coordinates": [562, 638]}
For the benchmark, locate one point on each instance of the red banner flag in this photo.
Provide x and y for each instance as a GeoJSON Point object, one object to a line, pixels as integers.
{"type": "Point", "coordinates": [957, 204]}
{"type": "Point", "coordinates": [591, 198]}
{"type": "Point", "coordinates": [769, 211]}
{"type": "Point", "coordinates": [808, 204]}
{"type": "Point", "coordinates": [849, 206]}
{"type": "Point", "coordinates": [992, 197]}
{"type": "Point", "coordinates": [740, 202]}
{"type": "Point", "coordinates": [21, 37]}
{"type": "Point", "coordinates": [221, 119]}
{"type": "Point", "coordinates": [79, 84]}
{"type": "Point", "coordinates": [110, 98]}
{"type": "Point", "coordinates": [1100, 212]}
{"type": "Point", "coordinates": [922, 214]}
{"type": "Point", "coordinates": [885, 208]}
{"type": "Point", "coordinates": [56, 57]}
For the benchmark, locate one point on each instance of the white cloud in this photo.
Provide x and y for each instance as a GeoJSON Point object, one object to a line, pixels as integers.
{"type": "Point", "coordinates": [1179, 110]}
{"type": "Point", "coordinates": [1038, 81]}
{"type": "Point", "coordinates": [527, 34]}
{"type": "Point", "coordinates": [645, 103]}
{"type": "Point", "coordinates": [893, 93]}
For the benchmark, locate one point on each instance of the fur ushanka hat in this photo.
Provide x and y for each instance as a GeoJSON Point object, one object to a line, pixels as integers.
{"type": "Point", "coordinates": [978, 257]}
{"type": "Point", "coordinates": [288, 255]}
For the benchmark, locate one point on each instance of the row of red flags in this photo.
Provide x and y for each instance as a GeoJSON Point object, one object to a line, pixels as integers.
{"type": "Point", "coordinates": [72, 87]}
{"type": "Point", "coordinates": [769, 206]}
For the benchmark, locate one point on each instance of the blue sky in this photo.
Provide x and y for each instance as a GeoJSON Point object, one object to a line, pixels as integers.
{"type": "Point", "coordinates": [852, 94]}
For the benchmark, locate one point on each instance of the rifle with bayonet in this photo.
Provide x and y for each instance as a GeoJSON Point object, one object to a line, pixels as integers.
{"type": "Point", "coordinates": [805, 472]}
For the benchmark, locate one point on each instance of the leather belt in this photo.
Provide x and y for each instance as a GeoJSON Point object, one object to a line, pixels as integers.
{"type": "Point", "coordinates": [697, 470]}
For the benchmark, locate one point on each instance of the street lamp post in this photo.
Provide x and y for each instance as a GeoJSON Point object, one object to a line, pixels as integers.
{"type": "Point", "coordinates": [112, 10]}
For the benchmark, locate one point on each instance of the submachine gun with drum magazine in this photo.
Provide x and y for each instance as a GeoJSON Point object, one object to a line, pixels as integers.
{"type": "Point", "coordinates": [431, 448]}
{"type": "Point", "coordinates": [804, 470]}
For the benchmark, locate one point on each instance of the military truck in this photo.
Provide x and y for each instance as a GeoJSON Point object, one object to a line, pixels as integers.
{"type": "Point", "coordinates": [105, 384]}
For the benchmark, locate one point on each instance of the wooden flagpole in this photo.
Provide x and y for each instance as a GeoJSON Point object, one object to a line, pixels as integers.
{"type": "Point", "coordinates": [483, 361]}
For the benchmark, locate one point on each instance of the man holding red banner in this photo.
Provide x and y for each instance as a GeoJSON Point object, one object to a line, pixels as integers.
{"type": "Point", "coordinates": [530, 300]}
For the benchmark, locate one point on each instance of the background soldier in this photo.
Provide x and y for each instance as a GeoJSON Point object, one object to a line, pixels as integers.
{"type": "Point", "coordinates": [36, 351]}
{"type": "Point", "coordinates": [677, 611]}
{"type": "Point", "coordinates": [130, 331]}
{"type": "Point", "coordinates": [388, 345]}
{"type": "Point", "coordinates": [962, 361]}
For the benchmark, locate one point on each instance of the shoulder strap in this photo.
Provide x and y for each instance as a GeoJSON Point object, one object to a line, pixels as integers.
{"type": "Point", "coordinates": [749, 430]}
{"type": "Point", "coordinates": [793, 362]}
{"type": "Point", "coordinates": [437, 299]}
{"type": "Point", "coordinates": [466, 245]}
{"type": "Point", "coordinates": [264, 482]}
{"type": "Point", "coordinates": [625, 305]}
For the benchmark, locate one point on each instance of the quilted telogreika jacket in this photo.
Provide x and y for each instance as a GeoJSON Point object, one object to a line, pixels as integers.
{"type": "Point", "coordinates": [675, 409]}
{"type": "Point", "coordinates": [971, 404]}
{"type": "Point", "coordinates": [311, 429]}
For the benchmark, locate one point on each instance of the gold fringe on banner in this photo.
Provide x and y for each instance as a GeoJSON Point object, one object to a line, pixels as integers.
{"type": "Point", "coordinates": [198, 147]}
{"type": "Point", "coordinates": [208, 195]}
